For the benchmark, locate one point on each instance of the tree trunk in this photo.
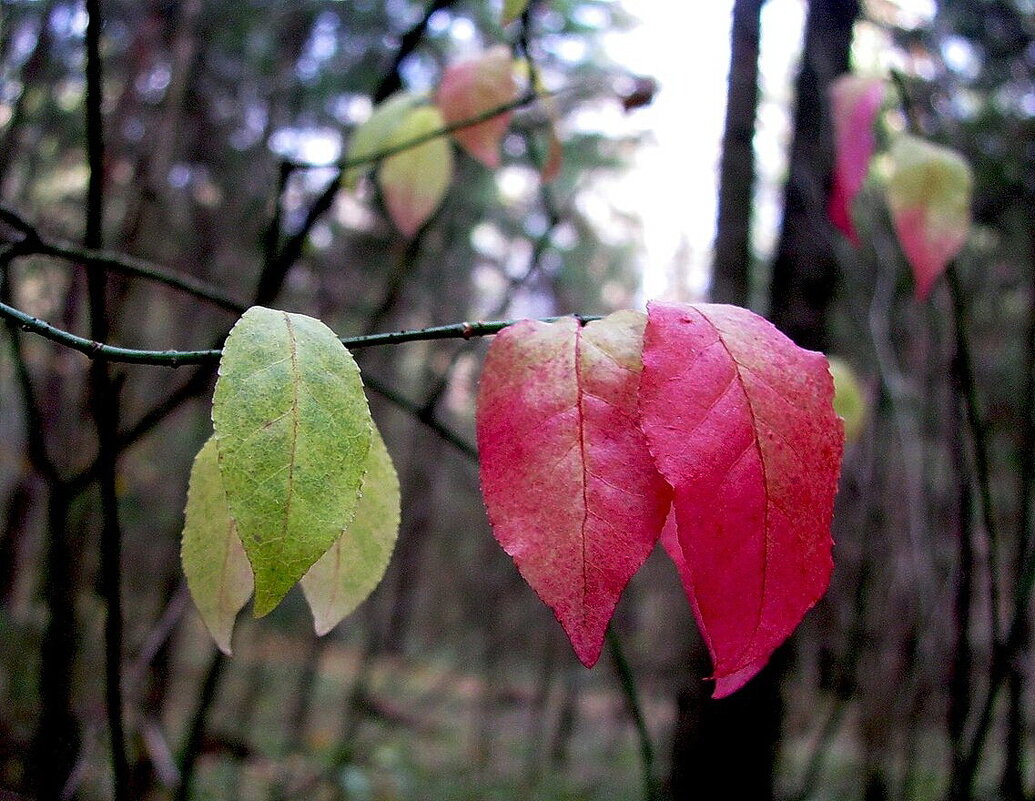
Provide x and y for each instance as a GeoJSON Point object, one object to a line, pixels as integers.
{"type": "Point", "coordinates": [731, 267]}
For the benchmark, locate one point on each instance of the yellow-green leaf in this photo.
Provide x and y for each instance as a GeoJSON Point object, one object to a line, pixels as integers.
{"type": "Point", "coordinates": [512, 9]}
{"type": "Point", "coordinates": [293, 431]}
{"type": "Point", "coordinates": [849, 398]}
{"type": "Point", "coordinates": [375, 134]}
{"type": "Point", "coordinates": [415, 180]}
{"type": "Point", "coordinates": [929, 193]}
{"type": "Point", "coordinates": [217, 570]}
{"type": "Point", "coordinates": [344, 576]}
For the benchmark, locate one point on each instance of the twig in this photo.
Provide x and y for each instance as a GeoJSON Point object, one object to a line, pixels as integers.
{"type": "Point", "coordinates": [195, 737]}
{"type": "Point", "coordinates": [34, 243]}
{"type": "Point", "coordinates": [100, 351]}
{"type": "Point", "coordinates": [628, 683]}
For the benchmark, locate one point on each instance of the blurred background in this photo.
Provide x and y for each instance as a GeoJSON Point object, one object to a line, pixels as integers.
{"type": "Point", "coordinates": [696, 160]}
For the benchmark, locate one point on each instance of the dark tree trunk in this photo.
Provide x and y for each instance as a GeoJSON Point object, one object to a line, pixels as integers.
{"type": "Point", "coordinates": [805, 266]}
{"type": "Point", "coordinates": [731, 267]}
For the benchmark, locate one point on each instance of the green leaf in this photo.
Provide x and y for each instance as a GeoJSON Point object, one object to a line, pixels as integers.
{"type": "Point", "coordinates": [415, 180]}
{"type": "Point", "coordinates": [375, 134]}
{"type": "Point", "coordinates": [217, 570]}
{"type": "Point", "coordinates": [849, 399]}
{"type": "Point", "coordinates": [293, 431]}
{"type": "Point", "coordinates": [512, 9]}
{"type": "Point", "coordinates": [344, 576]}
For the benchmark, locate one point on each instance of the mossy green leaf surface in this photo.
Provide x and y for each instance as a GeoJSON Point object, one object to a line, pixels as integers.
{"type": "Point", "coordinates": [217, 570]}
{"type": "Point", "coordinates": [293, 431]}
{"type": "Point", "coordinates": [344, 576]}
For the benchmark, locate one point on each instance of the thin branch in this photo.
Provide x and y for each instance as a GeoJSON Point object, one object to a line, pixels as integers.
{"type": "Point", "coordinates": [526, 99]}
{"type": "Point", "coordinates": [628, 683]}
{"type": "Point", "coordinates": [104, 400]}
{"type": "Point", "coordinates": [34, 243]}
{"type": "Point", "coordinates": [101, 351]}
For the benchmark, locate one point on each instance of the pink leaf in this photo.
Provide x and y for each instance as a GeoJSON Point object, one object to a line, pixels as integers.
{"type": "Point", "coordinates": [569, 485]}
{"type": "Point", "coordinates": [929, 192]}
{"type": "Point", "coordinates": [740, 422]}
{"type": "Point", "coordinates": [475, 87]}
{"type": "Point", "coordinates": [855, 101]}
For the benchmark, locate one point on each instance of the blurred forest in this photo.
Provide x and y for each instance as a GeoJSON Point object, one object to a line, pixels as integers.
{"type": "Point", "coordinates": [222, 126]}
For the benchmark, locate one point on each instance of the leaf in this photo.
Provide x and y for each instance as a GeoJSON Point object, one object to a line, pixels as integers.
{"type": "Point", "coordinates": [293, 430]}
{"type": "Point", "coordinates": [855, 101]}
{"type": "Point", "coordinates": [343, 577]}
{"type": "Point", "coordinates": [512, 9]}
{"type": "Point", "coordinates": [415, 180]}
{"type": "Point", "coordinates": [217, 570]}
{"type": "Point", "coordinates": [376, 133]}
{"type": "Point", "coordinates": [740, 422]}
{"type": "Point", "coordinates": [929, 192]}
{"type": "Point", "coordinates": [474, 87]}
{"type": "Point", "coordinates": [570, 488]}
{"type": "Point", "coordinates": [849, 399]}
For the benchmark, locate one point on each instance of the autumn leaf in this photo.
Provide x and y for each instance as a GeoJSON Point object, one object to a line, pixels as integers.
{"type": "Point", "coordinates": [740, 423]}
{"type": "Point", "coordinates": [929, 192]}
{"type": "Point", "coordinates": [570, 488]}
{"type": "Point", "coordinates": [218, 574]}
{"type": "Point", "coordinates": [512, 9]}
{"type": "Point", "coordinates": [293, 430]}
{"type": "Point", "coordinates": [849, 399]}
{"type": "Point", "coordinates": [474, 87]}
{"type": "Point", "coordinates": [415, 180]}
{"type": "Point", "coordinates": [344, 576]}
{"type": "Point", "coordinates": [375, 135]}
{"type": "Point", "coordinates": [855, 101]}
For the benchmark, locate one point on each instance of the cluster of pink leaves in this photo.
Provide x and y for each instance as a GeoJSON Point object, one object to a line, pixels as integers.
{"type": "Point", "coordinates": [928, 188]}
{"type": "Point", "coordinates": [700, 421]}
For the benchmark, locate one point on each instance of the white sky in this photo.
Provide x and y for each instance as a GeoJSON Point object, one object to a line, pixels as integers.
{"type": "Point", "coordinates": [673, 183]}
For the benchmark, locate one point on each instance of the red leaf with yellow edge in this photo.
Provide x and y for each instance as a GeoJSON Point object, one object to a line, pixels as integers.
{"type": "Point", "coordinates": [474, 87]}
{"type": "Point", "coordinates": [929, 192]}
{"type": "Point", "coordinates": [740, 422]}
{"type": "Point", "coordinates": [855, 101]}
{"type": "Point", "coordinates": [570, 487]}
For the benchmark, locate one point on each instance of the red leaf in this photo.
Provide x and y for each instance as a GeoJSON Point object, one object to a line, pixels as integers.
{"type": "Point", "coordinates": [740, 422]}
{"type": "Point", "coordinates": [569, 485]}
{"type": "Point", "coordinates": [929, 192]}
{"type": "Point", "coordinates": [855, 101]}
{"type": "Point", "coordinates": [475, 87]}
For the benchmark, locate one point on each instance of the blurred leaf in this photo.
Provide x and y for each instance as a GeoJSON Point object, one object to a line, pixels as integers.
{"type": "Point", "coordinates": [415, 180]}
{"type": "Point", "coordinates": [344, 576]}
{"type": "Point", "coordinates": [475, 87]}
{"type": "Point", "coordinates": [855, 101]}
{"type": "Point", "coordinates": [849, 399]}
{"type": "Point", "coordinates": [293, 431]}
{"type": "Point", "coordinates": [217, 570]}
{"type": "Point", "coordinates": [929, 192]}
{"type": "Point", "coordinates": [375, 134]}
{"type": "Point", "coordinates": [512, 9]}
